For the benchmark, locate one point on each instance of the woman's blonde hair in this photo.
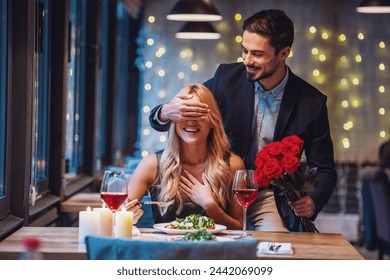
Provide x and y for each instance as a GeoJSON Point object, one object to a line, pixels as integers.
{"type": "Point", "coordinates": [217, 168]}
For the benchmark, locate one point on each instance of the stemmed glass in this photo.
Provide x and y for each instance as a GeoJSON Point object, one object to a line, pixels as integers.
{"type": "Point", "coordinates": [245, 191]}
{"type": "Point", "coordinates": [113, 192]}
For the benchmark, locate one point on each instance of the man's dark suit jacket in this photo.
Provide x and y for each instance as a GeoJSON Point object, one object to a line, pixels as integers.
{"type": "Point", "coordinates": [303, 112]}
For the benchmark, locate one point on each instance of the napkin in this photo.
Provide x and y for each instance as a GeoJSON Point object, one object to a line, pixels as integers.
{"type": "Point", "coordinates": [274, 248]}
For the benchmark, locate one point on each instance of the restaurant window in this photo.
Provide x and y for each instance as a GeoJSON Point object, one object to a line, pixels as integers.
{"type": "Point", "coordinates": [75, 96]}
{"type": "Point", "coordinates": [41, 108]}
{"type": "Point", "coordinates": [102, 96]}
{"type": "Point", "coordinates": [3, 95]}
{"type": "Point", "coordinates": [122, 54]}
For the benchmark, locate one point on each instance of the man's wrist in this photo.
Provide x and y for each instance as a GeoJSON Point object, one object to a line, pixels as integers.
{"type": "Point", "coordinates": [157, 117]}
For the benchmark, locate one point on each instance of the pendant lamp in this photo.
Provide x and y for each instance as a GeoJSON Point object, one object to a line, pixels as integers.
{"type": "Point", "coordinates": [198, 30]}
{"type": "Point", "coordinates": [374, 7]}
{"type": "Point", "coordinates": [194, 10]}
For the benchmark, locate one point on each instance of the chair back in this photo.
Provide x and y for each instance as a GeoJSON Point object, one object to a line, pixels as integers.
{"type": "Point", "coordinates": [380, 192]}
{"type": "Point", "coordinates": [107, 248]}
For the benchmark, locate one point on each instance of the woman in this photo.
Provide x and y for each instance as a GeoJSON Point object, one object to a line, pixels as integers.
{"type": "Point", "coordinates": [195, 171]}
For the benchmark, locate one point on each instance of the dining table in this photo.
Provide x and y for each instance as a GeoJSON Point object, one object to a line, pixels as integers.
{"type": "Point", "coordinates": [61, 243]}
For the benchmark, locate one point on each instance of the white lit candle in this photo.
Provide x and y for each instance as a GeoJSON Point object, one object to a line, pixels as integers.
{"type": "Point", "coordinates": [89, 223]}
{"type": "Point", "coordinates": [105, 221]}
{"type": "Point", "coordinates": [123, 223]}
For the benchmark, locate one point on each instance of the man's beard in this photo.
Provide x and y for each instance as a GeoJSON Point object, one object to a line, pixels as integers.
{"type": "Point", "coordinates": [253, 78]}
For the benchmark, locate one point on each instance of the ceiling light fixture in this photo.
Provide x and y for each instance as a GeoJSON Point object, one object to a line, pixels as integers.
{"type": "Point", "coordinates": [374, 7]}
{"type": "Point", "coordinates": [198, 30]}
{"type": "Point", "coordinates": [194, 10]}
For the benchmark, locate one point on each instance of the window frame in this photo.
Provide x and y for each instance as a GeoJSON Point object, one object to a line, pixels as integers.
{"type": "Point", "coordinates": [4, 190]}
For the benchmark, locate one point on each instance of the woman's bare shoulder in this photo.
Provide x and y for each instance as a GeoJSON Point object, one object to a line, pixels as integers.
{"type": "Point", "coordinates": [149, 161]}
{"type": "Point", "coordinates": [236, 162]}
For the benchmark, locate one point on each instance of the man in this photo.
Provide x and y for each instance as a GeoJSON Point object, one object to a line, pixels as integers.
{"type": "Point", "coordinates": [261, 101]}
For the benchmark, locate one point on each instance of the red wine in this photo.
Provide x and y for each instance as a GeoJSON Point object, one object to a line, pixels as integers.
{"type": "Point", "coordinates": [113, 200]}
{"type": "Point", "coordinates": [245, 197]}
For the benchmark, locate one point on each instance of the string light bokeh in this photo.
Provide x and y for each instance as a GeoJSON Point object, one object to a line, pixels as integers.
{"type": "Point", "coordinates": [341, 52]}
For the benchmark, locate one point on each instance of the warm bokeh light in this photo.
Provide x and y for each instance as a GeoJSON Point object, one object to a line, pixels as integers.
{"type": "Point", "coordinates": [150, 42]}
{"type": "Point", "coordinates": [344, 82]}
{"type": "Point", "coordinates": [345, 103]}
{"type": "Point", "coordinates": [237, 17]}
{"type": "Point", "coordinates": [146, 109]}
{"type": "Point", "coordinates": [314, 51]}
{"type": "Point", "coordinates": [181, 75]}
{"type": "Point", "coordinates": [312, 29]}
{"type": "Point", "coordinates": [151, 19]}
{"type": "Point", "coordinates": [360, 36]}
{"type": "Point", "coordinates": [148, 64]}
{"type": "Point", "coordinates": [194, 67]}
{"type": "Point", "coordinates": [342, 38]}
{"type": "Point", "coordinates": [146, 131]}
{"type": "Point", "coordinates": [358, 58]}
{"type": "Point", "coordinates": [148, 87]}
{"type": "Point", "coordinates": [346, 143]}
{"type": "Point", "coordinates": [355, 103]}
{"type": "Point", "coordinates": [382, 45]}
{"type": "Point", "coordinates": [348, 125]}
{"type": "Point", "coordinates": [162, 138]}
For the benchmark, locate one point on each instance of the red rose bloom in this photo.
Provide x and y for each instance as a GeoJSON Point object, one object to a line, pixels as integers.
{"type": "Point", "coordinates": [273, 168]}
{"type": "Point", "coordinates": [277, 166]}
{"type": "Point", "coordinates": [291, 149]}
{"type": "Point", "coordinates": [290, 163]}
{"type": "Point", "coordinates": [293, 139]}
{"type": "Point", "coordinates": [275, 149]}
{"type": "Point", "coordinates": [261, 179]}
{"type": "Point", "coordinates": [261, 158]}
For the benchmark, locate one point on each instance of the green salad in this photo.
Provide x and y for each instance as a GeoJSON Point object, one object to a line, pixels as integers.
{"type": "Point", "coordinates": [193, 222]}
{"type": "Point", "coordinates": [200, 235]}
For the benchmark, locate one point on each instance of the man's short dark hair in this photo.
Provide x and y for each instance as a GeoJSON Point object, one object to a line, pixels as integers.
{"type": "Point", "coordinates": [275, 25]}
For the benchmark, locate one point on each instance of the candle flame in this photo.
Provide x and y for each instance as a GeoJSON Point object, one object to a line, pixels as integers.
{"type": "Point", "coordinates": [123, 209]}
{"type": "Point", "coordinates": [88, 208]}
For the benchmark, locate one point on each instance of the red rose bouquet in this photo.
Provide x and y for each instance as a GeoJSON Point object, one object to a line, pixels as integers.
{"type": "Point", "coordinates": [278, 164]}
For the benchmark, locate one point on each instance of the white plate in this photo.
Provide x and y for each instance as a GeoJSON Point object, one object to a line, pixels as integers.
{"type": "Point", "coordinates": [179, 237]}
{"type": "Point", "coordinates": [162, 227]}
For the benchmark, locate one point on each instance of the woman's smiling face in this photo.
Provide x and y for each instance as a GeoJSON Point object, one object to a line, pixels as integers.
{"type": "Point", "coordinates": [193, 131]}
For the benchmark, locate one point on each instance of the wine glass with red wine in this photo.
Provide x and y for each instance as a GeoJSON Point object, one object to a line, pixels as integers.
{"type": "Point", "coordinates": [245, 192]}
{"type": "Point", "coordinates": [113, 191]}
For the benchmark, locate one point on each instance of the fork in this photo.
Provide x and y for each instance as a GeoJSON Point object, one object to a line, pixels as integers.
{"type": "Point", "coordinates": [149, 202]}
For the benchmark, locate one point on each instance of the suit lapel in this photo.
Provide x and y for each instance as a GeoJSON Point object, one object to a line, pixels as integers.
{"type": "Point", "coordinates": [247, 109]}
{"type": "Point", "coordinates": [286, 108]}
